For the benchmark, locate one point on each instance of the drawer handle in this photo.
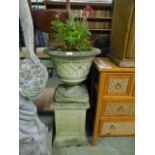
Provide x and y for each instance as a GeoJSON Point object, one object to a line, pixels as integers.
{"type": "Point", "coordinates": [112, 127]}
{"type": "Point", "coordinates": [120, 108]}
{"type": "Point", "coordinates": [118, 86]}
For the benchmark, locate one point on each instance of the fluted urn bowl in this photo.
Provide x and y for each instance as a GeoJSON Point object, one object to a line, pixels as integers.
{"type": "Point", "coordinates": [72, 67]}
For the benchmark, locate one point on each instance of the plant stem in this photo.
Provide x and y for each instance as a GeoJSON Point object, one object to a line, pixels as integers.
{"type": "Point", "coordinates": [68, 7]}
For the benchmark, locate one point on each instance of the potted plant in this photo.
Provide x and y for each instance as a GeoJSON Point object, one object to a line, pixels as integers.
{"type": "Point", "coordinates": [74, 57]}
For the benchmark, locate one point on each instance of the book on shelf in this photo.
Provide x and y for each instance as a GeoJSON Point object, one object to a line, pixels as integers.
{"type": "Point", "coordinates": [93, 14]}
{"type": "Point", "coordinates": [41, 7]}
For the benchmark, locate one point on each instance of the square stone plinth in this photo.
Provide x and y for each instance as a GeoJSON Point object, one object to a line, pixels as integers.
{"type": "Point", "coordinates": [70, 119]}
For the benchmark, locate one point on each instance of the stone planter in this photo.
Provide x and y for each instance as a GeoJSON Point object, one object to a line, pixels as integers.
{"type": "Point", "coordinates": [72, 67]}
{"type": "Point", "coordinates": [71, 99]}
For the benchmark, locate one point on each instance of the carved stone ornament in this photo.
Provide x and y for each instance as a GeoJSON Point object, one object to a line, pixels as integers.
{"type": "Point", "coordinates": [34, 138]}
{"type": "Point", "coordinates": [32, 79]}
{"type": "Point", "coordinates": [71, 94]}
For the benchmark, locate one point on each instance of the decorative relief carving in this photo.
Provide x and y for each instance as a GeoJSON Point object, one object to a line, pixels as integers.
{"type": "Point", "coordinates": [115, 108]}
{"type": "Point", "coordinates": [112, 128]}
{"type": "Point", "coordinates": [118, 85]}
{"type": "Point", "coordinates": [74, 70]}
{"type": "Point", "coordinates": [71, 94]}
{"type": "Point", "coordinates": [32, 78]}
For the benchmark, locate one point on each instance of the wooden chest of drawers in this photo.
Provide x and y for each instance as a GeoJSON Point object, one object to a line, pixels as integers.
{"type": "Point", "coordinates": [114, 103]}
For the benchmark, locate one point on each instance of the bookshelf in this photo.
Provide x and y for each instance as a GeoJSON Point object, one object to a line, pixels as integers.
{"type": "Point", "coordinates": [99, 20]}
{"type": "Point", "coordinates": [62, 3]}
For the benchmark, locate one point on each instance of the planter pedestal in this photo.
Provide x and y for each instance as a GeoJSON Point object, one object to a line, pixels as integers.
{"type": "Point", "coordinates": [70, 116]}
{"type": "Point", "coordinates": [71, 99]}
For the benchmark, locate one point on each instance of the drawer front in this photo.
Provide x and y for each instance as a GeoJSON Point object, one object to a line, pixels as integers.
{"type": "Point", "coordinates": [118, 84]}
{"type": "Point", "coordinates": [117, 128]}
{"type": "Point", "coordinates": [118, 108]}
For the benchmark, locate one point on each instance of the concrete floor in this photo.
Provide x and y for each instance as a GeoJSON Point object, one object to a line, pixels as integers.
{"type": "Point", "coordinates": [105, 145]}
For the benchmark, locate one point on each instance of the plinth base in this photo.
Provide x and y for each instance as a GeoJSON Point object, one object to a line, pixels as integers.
{"type": "Point", "coordinates": [70, 105]}
{"type": "Point", "coordinates": [70, 121]}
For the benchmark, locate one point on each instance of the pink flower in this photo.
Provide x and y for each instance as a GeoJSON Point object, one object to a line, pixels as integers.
{"type": "Point", "coordinates": [88, 8]}
{"type": "Point", "coordinates": [87, 11]}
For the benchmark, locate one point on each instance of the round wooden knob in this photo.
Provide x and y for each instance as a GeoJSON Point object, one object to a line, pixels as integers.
{"type": "Point", "coordinates": [120, 108]}
{"type": "Point", "coordinates": [112, 127]}
{"type": "Point", "coordinates": [118, 86]}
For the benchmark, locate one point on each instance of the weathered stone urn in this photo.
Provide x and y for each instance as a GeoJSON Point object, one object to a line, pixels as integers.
{"type": "Point", "coordinates": [71, 99]}
{"type": "Point", "coordinates": [72, 67]}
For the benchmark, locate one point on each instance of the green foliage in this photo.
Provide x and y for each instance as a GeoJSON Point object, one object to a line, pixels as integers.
{"type": "Point", "coordinates": [74, 34]}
